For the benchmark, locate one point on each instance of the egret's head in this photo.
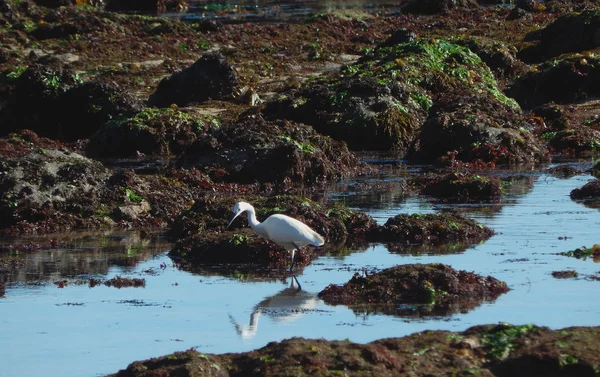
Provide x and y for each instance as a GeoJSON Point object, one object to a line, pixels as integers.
{"type": "Point", "coordinates": [238, 209]}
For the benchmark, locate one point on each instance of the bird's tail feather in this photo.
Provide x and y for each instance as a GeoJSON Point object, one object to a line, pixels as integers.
{"type": "Point", "coordinates": [319, 240]}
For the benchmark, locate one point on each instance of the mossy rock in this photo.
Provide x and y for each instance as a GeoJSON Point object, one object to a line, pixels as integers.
{"type": "Point", "coordinates": [294, 153]}
{"type": "Point", "coordinates": [487, 351]}
{"type": "Point", "coordinates": [433, 284]}
{"type": "Point", "coordinates": [574, 141]}
{"type": "Point", "coordinates": [433, 228]}
{"type": "Point", "coordinates": [477, 129]}
{"type": "Point", "coordinates": [462, 187]}
{"type": "Point", "coordinates": [152, 132]}
{"type": "Point", "coordinates": [380, 102]}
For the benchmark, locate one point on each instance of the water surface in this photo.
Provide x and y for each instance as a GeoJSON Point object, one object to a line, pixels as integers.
{"type": "Point", "coordinates": [82, 331]}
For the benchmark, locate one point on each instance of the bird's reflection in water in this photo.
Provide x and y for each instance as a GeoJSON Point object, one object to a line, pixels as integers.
{"type": "Point", "coordinates": [284, 306]}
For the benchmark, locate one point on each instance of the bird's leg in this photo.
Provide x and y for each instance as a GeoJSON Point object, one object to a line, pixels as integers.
{"type": "Point", "coordinates": [293, 254]}
{"type": "Point", "coordinates": [297, 283]}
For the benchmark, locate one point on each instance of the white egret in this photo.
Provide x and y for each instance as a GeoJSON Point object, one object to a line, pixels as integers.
{"type": "Point", "coordinates": [285, 231]}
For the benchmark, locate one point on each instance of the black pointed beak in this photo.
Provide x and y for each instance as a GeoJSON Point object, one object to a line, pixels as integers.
{"type": "Point", "coordinates": [231, 218]}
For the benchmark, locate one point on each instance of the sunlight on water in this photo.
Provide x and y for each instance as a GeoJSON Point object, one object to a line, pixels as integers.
{"type": "Point", "coordinates": [82, 331]}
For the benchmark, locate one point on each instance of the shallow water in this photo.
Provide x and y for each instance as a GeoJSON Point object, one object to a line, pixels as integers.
{"type": "Point", "coordinates": [277, 11]}
{"type": "Point", "coordinates": [82, 331]}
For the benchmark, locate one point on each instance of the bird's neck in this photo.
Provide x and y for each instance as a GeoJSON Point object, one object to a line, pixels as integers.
{"type": "Point", "coordinates": [252, 219]}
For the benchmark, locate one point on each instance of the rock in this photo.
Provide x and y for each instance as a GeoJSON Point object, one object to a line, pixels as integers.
{"type": "Point", "coordinates": [553, 115]}
{"type": "Point", "coordinates": [565, 80]}
{"type": "Point", "coordinates": [433, 284]}
{"type": "Point", "coordinates": [294, 153]}
{"type": "Point", "coordinates": [498, 56]}
{"type": "Point", "coordinates": [54, 103]}
{"type": "Point", "coordinates": [575, 141]}
{"type": "Point", "coordinates": [34, 101]}
{"type": "Point", "coordinates": [477, 128]}
{"type": "Point", "coordinates": [462, 187]}
{"type": "Point", "coordinates": [380, 102]}
{"type": "Point", "coordinates": [439, 6]}
{"type": "Point", "coordinates": [132, 212]}
{"type": "Point", "coordinates": [210, 77]}
{"type": "Point", "coordinates": [491, 350]}
{"type": "Point", "coordinates": [85, 108]}
{"type": "Point", "coordinates": [50, 185]}
{"type": "Point", "coordinates": [564, 171]}
{"type": "Point", "coordinates": [566, 274]}
{"type": "Point", "coordinates": [573, 32]}
{"type": "Point", "coordinates": [433, 228]}
{"type": "Point", "coordinates": [589, 191]}
{"type": "Point", "coordinates": [401, 35]}
{"type": "Point", "coordinates": [152, 132]}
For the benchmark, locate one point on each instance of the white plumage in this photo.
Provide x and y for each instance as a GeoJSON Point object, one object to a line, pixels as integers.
{"type": "Point", "coordinates": [285, 231]}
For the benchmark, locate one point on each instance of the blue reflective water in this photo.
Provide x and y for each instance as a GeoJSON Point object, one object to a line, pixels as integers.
{"type": "Point", "coordinates": [82, 331]}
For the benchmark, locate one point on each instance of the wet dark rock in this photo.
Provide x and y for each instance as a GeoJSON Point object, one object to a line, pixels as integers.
{"type": "Point", "coordinates": [553, 115]}
{"type": "Point", "coordinates": [121, 282]}
{"type": "Point", "coordinates": [564, 80]}
{"type": "Point", "coordinates": [54, 103]}
{"type": "Point", "coordinates": [491, 350]}
{"type": "Point", "coordinates": [207, 25]}
{"type": "Point", "coordinates": [566, 274]}
{"type": "Point", "coordinates": [210, 77]}
{"type": "Point", "coordinates": [34, 100]}
{"type": "Point", "coordinates": [400, 36]}
{"type": "Point", "coordinates": [145, 6]}
{"type": "Point", "coordinates": [530, 5]}
{"type": "Point", "coordinates": [518, 13]}
{"type": "Point", "coordinates": [241, 250]}
{"type": "Point", "coordinates": [56, 31]}
{"type": "Point", "coordinates": [574, 32]}
{"type": "Point", "coordinates": [564, 171]}
{"type": "Point", "coordinates": [434, 228]}
{"type": "Point", "coordinates": [294, 153]}
{"type": "Point", "coordinates": [462, 187]}
{"type": "Point", "coordinates": [152, 132]}
{"type": "Point", "coordinates": [589, 191]}
{"type": "Point", "coordinates": [596, 170]}
{"type": "Point", "coordinates": [434, 284]}
{"type": "Point", "coordinates": [439, 6]}
{"type": "Point", "coordinates": [477, 128]}
{"type": "Point", "coordinates": [87, 107]}
{"type": "Point", "coordinates": [575, 141]}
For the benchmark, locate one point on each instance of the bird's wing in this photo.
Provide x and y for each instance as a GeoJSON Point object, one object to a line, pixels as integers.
{"type": "Point", "coordinates": [284, 229]}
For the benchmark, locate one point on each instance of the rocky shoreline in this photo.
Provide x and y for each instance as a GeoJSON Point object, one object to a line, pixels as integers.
{"type": "Point", "coordinates": [122, 121]}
